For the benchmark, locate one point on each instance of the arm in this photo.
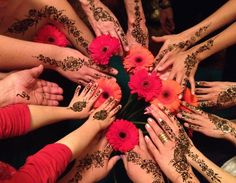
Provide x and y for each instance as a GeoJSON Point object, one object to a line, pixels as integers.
{"type": "Point", "coordinates": [137, 30]}
{"type": "Point", "coordinates": [208, 169]}
{"type": "Point", "coordinates": [68, 62]}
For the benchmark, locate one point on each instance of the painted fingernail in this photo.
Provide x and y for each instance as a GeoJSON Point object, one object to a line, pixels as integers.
{"type": "Point", "coordinates": [147, 126]}
{"type": "Point", "coordinates": [146, 138]}
{"type": "Point", "coordinates": [150, 120]}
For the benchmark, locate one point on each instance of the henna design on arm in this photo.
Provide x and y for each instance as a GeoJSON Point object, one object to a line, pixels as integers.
{"type": "Point", "coordinates": [23, 95]}
{"type": "Point", "coordinates": [204, 167]}
{"type": "Point", "coordinates": [222, 125]}
{"type": "Point", "coordinates": [68, 64]}
{"type": "Point", "coordinates": [150, 166]}
{"type": "Point", "coordinates": [137, 32]}
{"type": "Point", "coordinates": [34, 16]}
{"type": "Point", "coordinates": [227, 96]}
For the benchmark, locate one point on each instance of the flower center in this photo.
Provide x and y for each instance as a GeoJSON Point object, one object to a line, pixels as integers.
{"type": "Point", "coordinates": [145, 84]}
{"type": "Point", "coordinates": [51, 40]}
{"type": "Point", "coordinates": [122, 135]}
{"type": "Point", "coordinates": [166, 94]}
{"type": "Point", "coordinates": [138, 59]}
{"type": "Point", "coordinates": [105, 95]}
{"type": "Point", "coordinates": [104, 49]}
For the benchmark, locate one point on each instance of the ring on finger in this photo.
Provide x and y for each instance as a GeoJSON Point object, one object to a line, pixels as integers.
{"type": "Point", "coordinates": [163, 137]}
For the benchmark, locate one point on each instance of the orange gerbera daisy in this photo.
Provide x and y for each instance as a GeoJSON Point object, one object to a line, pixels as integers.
{"type": "Point", "coordinates": [169, 95]}
{"type": "Point", "coordinates": [109, 89]}
{"type": "Point", "coordinates": [189, 98]}
{"type": "Point", "coordinates": [138, 58]}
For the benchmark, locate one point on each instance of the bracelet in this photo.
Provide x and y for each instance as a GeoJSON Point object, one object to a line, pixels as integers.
{"type": "Point", "coordinates": [164, 4]}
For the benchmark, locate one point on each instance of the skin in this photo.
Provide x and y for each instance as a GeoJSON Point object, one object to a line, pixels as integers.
{"type": "Point", "coordinates": [40, 92]}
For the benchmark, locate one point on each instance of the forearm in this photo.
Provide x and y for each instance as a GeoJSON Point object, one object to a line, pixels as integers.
{"type": "Point", "coordinates": [46, 115]}
{"type": "Point", "coordinates": [18, 54]}
{"type": "Point", "coordinates": [79, 139]}
{"type": "Point", "coordinates": [208, 169]}
{"type": "Point", "coordinates": [134, 10]}
{"type": "Point", "coordinates": [217, 43]}
{"type": "Point", "coordinates": [221, 17]}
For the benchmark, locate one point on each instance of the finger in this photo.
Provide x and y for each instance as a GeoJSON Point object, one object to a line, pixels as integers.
{"type": "Point", "coordinates": [89, 79]}
{"type": "Point", "coordinates": [91, 91]}
{"type": "Point", "coordinates": [115, 110]}
{"type": "Point", "coordinates": [112, 162]}
{"type": "Point", "coordinates": [52, 90]}
{"type": "Point", "coordinates": [192, 84]}
{"type": "Point", "coordinates": [47, 83]}
{"type": "Point", "coordinates": [152, 148]}
{"type": "Point", "coordinates": [184, 83]}
{"type": "Point", "coordinates": [36, 71]}
{"type": "Point", "coordinates": [192, 108]}
{"type": "Point", "coordinates": [167, 63]}
{"type": "Point", "coordinates": [111, 105]}
{"type": "Point", "coordinates": [207, 104]}
{"type": "Point", "coordinates": [189, 119]}
{"type": "Point", "coordinates": [204, 97]}
{"type": "Point", "coordinates": [179, 77]}
{"type": "Point", "coordinates": [95, 97]}
{"type": "Point", "coordinates": [205, 84]}
{"type": "Point", "coordinates": [85, 90]}
{"type": "Point", "coordinates": [123, 39]}
{"type": "Point", "coordinates": [106, 103]}
{"type": "Point", "coordinates": [172, 74]}
{"type": "Point", "coordinates": [124, 159]}
{"type": "Point", "coordinates": [193, 127]}
{"type": "Point", "coordinates": [50, 102]}
{"type": "Point", "coordinates": [48, 96]}
{"type": "Point", "coordinates": [203, 90]}
{"type": "Point", "coordinates": [142, 143]}
{"type": "Point", "coordinates": [102, 70]}
{"type": "Point", "coordinates": [154, 135]}
{"type": "Point", "coordinates": [82, 83]}
{"type": "Point", "coordinates": [159, 39]}
{"type": "Point", "coordinates": [77, 90]}
{"type": "Point", "coordinates": [172, 24]}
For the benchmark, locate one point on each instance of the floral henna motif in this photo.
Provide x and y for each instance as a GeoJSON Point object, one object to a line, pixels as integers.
{"type": "Point", "coordinates": [102, 15]}
{"type": "Point", "coordinates": [34, 16]}
{"type": "Point", "coordinates": [150, 166]}
{"type": "Point", "coordinates": [137, 32]}
{"type": "Point", "coordinates": [100, 115]}
{"type": "Point", "coordinates": [78, 106]}
{"type": "Point", "coordinates": [191, 60]}
{"type": "Point", "coordinates": [227, 96]}
{"type": "Point", "coordinates": [182, 44]}
{"type": "Point", "coordinates": [95, 160]}
{"type": "Point", "coordinates": [222, 125]}
{"type": "Point", "coordinates": [23, 95]}
{"type": "Point", "coordinates": [68, 64]}
{"type": "Point", "coordinates": [209, 172]}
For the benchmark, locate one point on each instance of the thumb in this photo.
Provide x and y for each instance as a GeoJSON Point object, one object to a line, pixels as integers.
{"type": "Point", "coordinates": [159, 39]}
{"type": "Point", "coordinates": [112, 162]}
{"type": "Point", "coordinates": [36, 71]}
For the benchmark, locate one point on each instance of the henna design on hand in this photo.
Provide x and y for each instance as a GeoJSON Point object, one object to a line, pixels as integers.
{"type": "Point", "coordinates": [137, 32]}
{"type": "Point", "coordinates": [182, 44]}
{"type": "Point", "coordinates": [78, 106]}
{"type": "Point", "coordinates": [96, 160]}
{"type": "Point", "coordinates": [209, 172]}
{"type": "Point", "coordinates": [150, 166]}
{"type": "Point", "coordinates": [34, 16]}
{"type": "Point", "coordinates": [68, 64]}
{"type": "Point", "coordinates": [227, 96]}
{"type": "Point", "coordinates": [222, 125]}
{"type": "Point", "coordinates": [100, 115]}
{"type": "Point", "coordinates": [191, 60]}
{"type": "Point", "coordinates": [102, 15]}
{"type": "Point", "coordinates": [23, 95]}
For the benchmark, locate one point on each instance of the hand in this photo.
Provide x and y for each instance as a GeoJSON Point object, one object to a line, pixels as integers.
{"type": "Point", "coordinates": [94, 164]}
{"type": "Point", "coordinates": [103, 21]}
{"type": "Point", "coordinates": [78, 68]}
{"type": "Point", "coordinates": [82, 102]}
{"type": "Point", "coordinates": [169, 145]}
{"type": "Point", "coordinates": [208, 124]}
{"type": "Point", "coordinates": [166, 20]}
{"type": "Point", "coordinates": [139, 164]}
{"type": "Point", "coordinates": [173, 44]}
{"type": "Point", "coordinates": [216, 94]}
{"type": "Point", "coordinates": [25, 87]}
{"type": "Point", "coordinates": [104, 115]}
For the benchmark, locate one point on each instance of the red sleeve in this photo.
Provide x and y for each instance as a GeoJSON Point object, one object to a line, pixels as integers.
{"type": "Point", "coordinates": [14, 120]}
{"type": "Point", "coordinates": [45, 166]}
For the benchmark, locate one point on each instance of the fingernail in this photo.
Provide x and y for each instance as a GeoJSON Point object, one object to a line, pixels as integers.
{"type": "Point", "coordinates": [147, 126]}
{"type": "Point", "coordinates": [149, 120]}
{"type": "Point", "coordinates": [146, 138]}
{"type": "Point", "coordinates": [115, 71]}
{"type": "Point", "coordinates": [159, 119]}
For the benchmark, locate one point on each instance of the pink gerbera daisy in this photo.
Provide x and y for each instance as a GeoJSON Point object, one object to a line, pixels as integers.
{"type": "Point", "coordinates": [49, 34]}
{"type": "Point", "coordinates": [109, 89]}
{"type": "Point", "coordinates": [138, 58]}
{"type": "Point", "coordinates": [146, 85]}
{"type": "Point", "coordinates": [122, 135]}
{"type": "Point", "coordinates": [103, 48]}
